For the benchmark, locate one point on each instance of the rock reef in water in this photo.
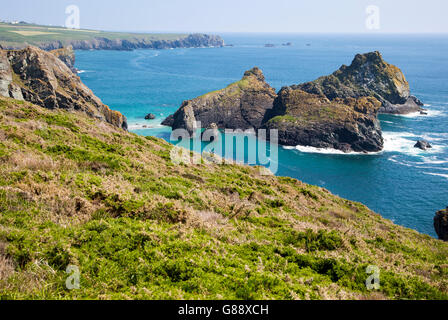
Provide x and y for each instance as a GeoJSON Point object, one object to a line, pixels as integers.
{"type": "Point", "coordinates": [241, 105]}
{"type": "Point", "coordinates": [41, 78]}
{"type": "Point", "coordinates": [423, 145]}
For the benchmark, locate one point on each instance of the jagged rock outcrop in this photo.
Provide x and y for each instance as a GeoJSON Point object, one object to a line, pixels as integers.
{"type": "Point", "coordinates": [338, 111]}
{"type": "Point", "coordinates": [306, 119]}
{"type": "Point", "coordinates": [40, 77]}
{"type": "Point", "coordinates": [241, 105]}
{"type": "Point", "coordinates": [368, 75]}
{"type": "Point", "coordinates": [103, 43]}
{"type": "Point", "coordinates": [441, 224]}
{"type": "Point", "coordinates": [67, 55]}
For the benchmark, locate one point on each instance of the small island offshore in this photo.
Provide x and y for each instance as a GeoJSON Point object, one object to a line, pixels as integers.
{"type": "Point", "coordinates": [78, 190]}
{"type": "Point", "coordinates": [337, 111]}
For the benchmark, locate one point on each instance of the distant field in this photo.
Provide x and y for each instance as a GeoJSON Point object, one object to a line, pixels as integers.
{"type": "Point", "coordinates": [21, 34]}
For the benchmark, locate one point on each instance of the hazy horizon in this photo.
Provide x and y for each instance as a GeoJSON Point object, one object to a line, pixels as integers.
{"type": "Point", "coordinates": [234, 16]}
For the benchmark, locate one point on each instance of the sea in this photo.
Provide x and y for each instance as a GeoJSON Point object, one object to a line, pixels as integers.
{"type": "Point", "coordinates": [402, 183]}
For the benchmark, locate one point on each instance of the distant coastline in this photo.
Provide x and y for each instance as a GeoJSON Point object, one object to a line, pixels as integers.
{"type": "Point", "coordinates": [19, 36]}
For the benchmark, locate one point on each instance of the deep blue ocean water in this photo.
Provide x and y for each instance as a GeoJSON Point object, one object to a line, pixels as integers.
{"type": "Point", "coordinates": [402, 183]}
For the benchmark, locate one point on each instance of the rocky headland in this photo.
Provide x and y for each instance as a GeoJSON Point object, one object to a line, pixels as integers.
{"type": "Point", "coordinates": [43, 79]}
{"type": "Point", "coordinates": [338, 111]}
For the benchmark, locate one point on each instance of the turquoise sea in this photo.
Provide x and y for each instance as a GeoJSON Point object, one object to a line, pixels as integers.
{"type": "Point", "coordinates": [401, 183]}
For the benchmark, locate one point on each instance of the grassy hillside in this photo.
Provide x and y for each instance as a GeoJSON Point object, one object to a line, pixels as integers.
{"type": "Point", "coordinates": [74, 190]}
{"type": "Point", "coordinates": [17, 35]}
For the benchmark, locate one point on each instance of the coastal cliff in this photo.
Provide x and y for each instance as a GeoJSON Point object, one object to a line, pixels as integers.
{"type": "Point", "coordinates": [67, 55]}
{"type": "Point", "coordinates": [306, 119]}
{"type": "Point", "coordinates": [441, 224]}
{"type": "Point", "coordinates": [41, 78]}
{"type": "Point", "coordinates": [241, 105]}
{"type": "Point", "coordinates": [130, 43]}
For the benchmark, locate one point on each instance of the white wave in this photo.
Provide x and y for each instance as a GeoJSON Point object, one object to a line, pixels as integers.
{"type": "Point", "coordinates": [403, 163]}
{"type": "Point", "coordinates": [81, 71]}
{"type": "Point", "coordinates": [391, 122]}
{"type": "Point", "coordinates": [400, 142]}
{"type": "Point", "coordinates": [443, 175]}
{"type": "Point", "coordinates": [306, 149]}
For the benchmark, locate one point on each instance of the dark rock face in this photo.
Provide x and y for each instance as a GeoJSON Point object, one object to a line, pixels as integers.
{"type": "Point", "coordinates": [41, 78]}
{"type": "Point", "coordinates": [66, 55]}
{"type": "Point", "coordinates": [242, 105]}
{"type": "Point", "coordinates": [422, 144]}
{"type": "Point", "coordinates": [150, 116]}
{"type": "Point", "coordinates": [368, 75]}
{"type": "Point", "coordinates": [441, 224]}
{"type": "Point", "coordinates": [313, 120]}
{"type": "Point", "coordinates": [101, 43]}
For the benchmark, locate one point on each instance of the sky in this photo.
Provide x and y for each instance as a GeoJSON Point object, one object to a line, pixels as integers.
{"type": "Point", "coordinates": [322, 16]}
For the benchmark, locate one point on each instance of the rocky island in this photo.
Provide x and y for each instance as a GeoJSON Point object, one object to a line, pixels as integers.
{"type": "Point", "coordinates": [338, 111]}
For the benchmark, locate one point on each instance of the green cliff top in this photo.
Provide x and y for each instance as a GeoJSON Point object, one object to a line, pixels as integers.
{"type": "Point", "coordinates": [75, 190]}
{"type": "Point", "coordinates": [16, 35]}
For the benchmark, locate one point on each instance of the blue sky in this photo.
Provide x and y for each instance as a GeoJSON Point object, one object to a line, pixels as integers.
{"type": "Point", "coordinates": [395, 16]}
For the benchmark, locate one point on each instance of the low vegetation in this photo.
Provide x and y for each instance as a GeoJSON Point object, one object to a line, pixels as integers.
{"type": "Point", "coordinates": [77, 191]}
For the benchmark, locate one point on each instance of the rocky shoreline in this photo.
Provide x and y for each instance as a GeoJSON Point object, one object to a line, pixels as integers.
{"type": "Point", "coordinates": [102, 43]}
{"type": "Point", "coordinates": [338, 111]}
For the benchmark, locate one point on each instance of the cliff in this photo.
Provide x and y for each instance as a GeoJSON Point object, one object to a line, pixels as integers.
{"type": "Point", "coordinates": [241, 105]}
{"type": "Point", "coordinates": [78, 191]}
{"type": "Point", "coordinates": [441, 224]}
{"type": "Point", "coordinates": [307, 119]}
{"type": "Point", "coordinates": [368, 75]}
{"type": "Point", "coordinates": [66, 55]}
{"type": "Point", "coordinates": [103, 43]}
{"type": "Point", "coordinates": [40, 77]}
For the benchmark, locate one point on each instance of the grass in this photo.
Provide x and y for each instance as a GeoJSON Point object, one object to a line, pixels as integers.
{"type": "Point", "coordinates": [77, 191]}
